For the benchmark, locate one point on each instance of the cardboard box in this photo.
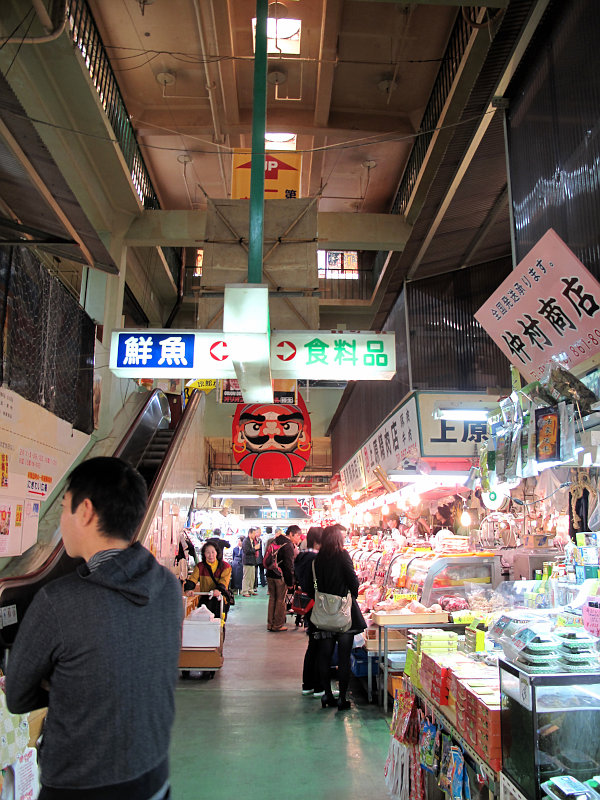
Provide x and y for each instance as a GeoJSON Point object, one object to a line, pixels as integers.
{"type": "Point", "coordinates": [201, 633]}
{"type": "Point", "coordinates": [537, 540]}
{"type": "Point", "coordinates": [396, 640]}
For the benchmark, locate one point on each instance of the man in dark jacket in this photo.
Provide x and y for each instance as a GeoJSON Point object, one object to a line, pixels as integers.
{"type": "Point", "coordinates": [280, 575]}
{"type": "Point", "coordinates": [100, 647]}
{"type": "Point", "coordinates": [249, 561]}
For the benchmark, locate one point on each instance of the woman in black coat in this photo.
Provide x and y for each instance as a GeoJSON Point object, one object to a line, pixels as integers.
{"type": "Point", "coordinates": [335, 575]}
{"type": "Point", "coordinates": [237, 569]}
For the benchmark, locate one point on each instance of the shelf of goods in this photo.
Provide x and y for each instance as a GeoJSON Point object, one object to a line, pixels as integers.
{"type": "Point", "coordinates": [508, 791]}
{"type": "Point", "coordinates": [433, 710]}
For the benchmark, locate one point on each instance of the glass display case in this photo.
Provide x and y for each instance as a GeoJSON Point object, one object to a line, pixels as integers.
{"type": "Point", "coordinates": [432, 576]}
{"type": "Point", "coordinates": [365, 563]}
{"type": "Point", "coordinates": [550, 726]}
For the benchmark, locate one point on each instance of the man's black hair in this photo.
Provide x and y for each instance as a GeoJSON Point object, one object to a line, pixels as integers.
{"type": "Point", "coordinates": [313, 537]}
{"type": "Point", "coordinates": [292, 530]}
{"type": "Point", "coordinates": [116, 490]}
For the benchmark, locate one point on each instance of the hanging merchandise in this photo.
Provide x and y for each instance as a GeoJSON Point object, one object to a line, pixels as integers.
{"type": "Point", "coordinates": [547, 435]}
{"type": "Point", "coordinates": [429, 746]}
{"type": "Point", "coordinates": [271, 440]}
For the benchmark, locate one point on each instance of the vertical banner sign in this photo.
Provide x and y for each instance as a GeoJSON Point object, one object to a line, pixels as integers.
{"type": "Point", "coordinates": [271, 440]}
{"type": "Point", "coordinates": [395, 444]}
{"type": "Point", "coordinates": [546, 312]}
{"type": "Point", "coordinates": [282, 175]}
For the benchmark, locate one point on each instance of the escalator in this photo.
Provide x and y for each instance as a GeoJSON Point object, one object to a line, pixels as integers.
{"type": "Point", "coordinates": [168, 460]}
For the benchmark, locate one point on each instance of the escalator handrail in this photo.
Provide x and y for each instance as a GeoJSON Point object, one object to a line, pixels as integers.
{"type": "Point", "coordinates": [163, 473]}
{"type": "Point", "coordinates": [42, 571]}
{"type": "Point", "coordinates": [132, 428]}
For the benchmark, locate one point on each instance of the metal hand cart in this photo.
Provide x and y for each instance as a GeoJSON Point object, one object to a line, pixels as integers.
{"type": "Point", "coordinates": [201, 659]}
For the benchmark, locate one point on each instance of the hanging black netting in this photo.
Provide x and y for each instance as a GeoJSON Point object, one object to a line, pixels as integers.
{"type": "Point", "coordinates": [48, 352]}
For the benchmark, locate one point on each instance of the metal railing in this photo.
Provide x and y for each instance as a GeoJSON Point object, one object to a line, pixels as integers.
{"type": "Point", "coordinates": [457, 46]}
{"type": "Point", "coordinates": [360, 288]}
{"type": "Point", "coordinates": [86, 37]}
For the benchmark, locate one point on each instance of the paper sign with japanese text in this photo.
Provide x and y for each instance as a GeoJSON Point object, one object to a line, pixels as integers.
{"type": "Point", "coordinates": [353, 474]}
{"type": "Point", "coordinates": [546, 312]}
{"type": "Point", "coordinates": [395, 444]}
{"type": "Point", "coordinates": [284, 391]}
{"type": "Point", "coordinates": [282, 175]}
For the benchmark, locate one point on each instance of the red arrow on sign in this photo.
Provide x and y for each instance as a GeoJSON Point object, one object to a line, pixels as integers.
{"type": "Point", "coordinates": [221, 354]}
{"type": "Point", "coordinates": [272, 167]}
{"type": "Point", "coordinates": [290, 355]}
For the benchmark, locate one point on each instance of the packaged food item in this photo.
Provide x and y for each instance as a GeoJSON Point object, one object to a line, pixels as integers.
{"type": "Point", "coordinates": [568, 788]}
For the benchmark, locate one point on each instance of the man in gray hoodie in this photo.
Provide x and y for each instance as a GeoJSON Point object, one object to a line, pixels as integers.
{"type": "Point", "coordinates": [99, 647]}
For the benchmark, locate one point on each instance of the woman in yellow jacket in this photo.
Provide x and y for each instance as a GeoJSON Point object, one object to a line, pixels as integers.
{"type": "Point", "coordinates": [212, 575]}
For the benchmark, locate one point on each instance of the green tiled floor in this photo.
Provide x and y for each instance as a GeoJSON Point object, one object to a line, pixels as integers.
{"type": "Point", "coordinates": [250, 733]}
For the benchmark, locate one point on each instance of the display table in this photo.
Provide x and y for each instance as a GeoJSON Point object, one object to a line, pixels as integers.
{"type": "Point", "coordinates": [383, 645]}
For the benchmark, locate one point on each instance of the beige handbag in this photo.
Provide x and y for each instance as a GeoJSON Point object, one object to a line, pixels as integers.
{"type": "Point", "coordinates": [330, 611]}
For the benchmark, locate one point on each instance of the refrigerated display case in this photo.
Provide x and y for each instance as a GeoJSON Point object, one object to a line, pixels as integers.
{"type": "Point", "coordinates": [365, 563]}
{"type": "Point", "coordinates": [431, 576]}
{"type": "Point", "coordinates": [550, 726]}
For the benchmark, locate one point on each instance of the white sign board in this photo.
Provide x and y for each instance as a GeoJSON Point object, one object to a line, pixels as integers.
{"type": "Point", "coordinates": [333, 355]}
{"type": "Point", "coordinates": [452, 438]}
{"type": "Point", "coordinates": [315, 355]}
{"type": "Point", "coordinates": [394, 445]}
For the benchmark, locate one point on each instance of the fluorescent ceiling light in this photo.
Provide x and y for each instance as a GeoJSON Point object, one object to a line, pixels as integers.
{"type": "Point", "coordinates": [434, 477]}
{"type": "Point", "coordinates": [280, 141]}
{"type": "Point", "coordinates": [236, 496]}
{"type": "Point", "coordinates": [272, 502]}
{"type": "Point", "coordinates": [468, 414]}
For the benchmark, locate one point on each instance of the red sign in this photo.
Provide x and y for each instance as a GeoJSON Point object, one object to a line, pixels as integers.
{"type": "Point", "coordinates": [271, 440]}
{"type": "Point", "coordinates": [218, 351]}
{"type": "Point", "coordinates": [289, 351]}
{"type": "Point", "coordinates": [272, 167]}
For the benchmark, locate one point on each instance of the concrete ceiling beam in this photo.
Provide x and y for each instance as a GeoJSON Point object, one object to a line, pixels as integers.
{"type": "Point", "coordinates": [336, 231]}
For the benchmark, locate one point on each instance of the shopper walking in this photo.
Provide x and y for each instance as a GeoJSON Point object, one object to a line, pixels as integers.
{"type": "Point", "coordinates": [100, 648]}
{"type": "Point", "coordinates": [237, 569]}
{"type": "Point", "coordinates": [249, 563]}
{"type": "Point", "coordinates": [311, 677]}
{"type": "Point", "coordinates": [335, 575]}
{"type": "Point", "coordinates": [279, 564]}
{"type": "Point", "coordinates": [260, 577]}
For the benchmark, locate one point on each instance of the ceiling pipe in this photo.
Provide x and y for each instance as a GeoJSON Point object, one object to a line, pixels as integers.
{"type": "Point", "coordinates": [180, 289]}
{"type": "Point", "coordinates": [214, 111]}
{"type": "Point", "coordinates": [52, 31]}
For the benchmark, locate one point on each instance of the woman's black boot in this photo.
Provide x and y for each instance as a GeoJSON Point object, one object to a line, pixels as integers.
{"type": "Point", "coordinates": [328, 701]}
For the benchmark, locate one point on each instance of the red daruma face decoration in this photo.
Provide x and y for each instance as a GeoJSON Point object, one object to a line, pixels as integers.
{"type": "Point", "coordinates": [271, 440]}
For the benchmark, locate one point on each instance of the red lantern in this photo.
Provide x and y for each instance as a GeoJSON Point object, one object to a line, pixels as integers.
{"type": "Point", "coordinates": [271, 440]}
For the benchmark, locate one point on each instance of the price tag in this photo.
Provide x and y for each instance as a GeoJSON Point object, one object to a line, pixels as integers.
{"type": "Point", "coordinates": [525, 692]}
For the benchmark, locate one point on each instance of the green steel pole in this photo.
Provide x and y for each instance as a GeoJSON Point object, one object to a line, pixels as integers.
{"type": "Point", "coordinates": [257, 164]}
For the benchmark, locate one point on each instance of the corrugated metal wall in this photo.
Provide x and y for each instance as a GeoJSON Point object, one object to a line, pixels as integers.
{"type": "Point", "coordinates": [554, 134]}
{"type": "Point", "coordinates": [449, 350]}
